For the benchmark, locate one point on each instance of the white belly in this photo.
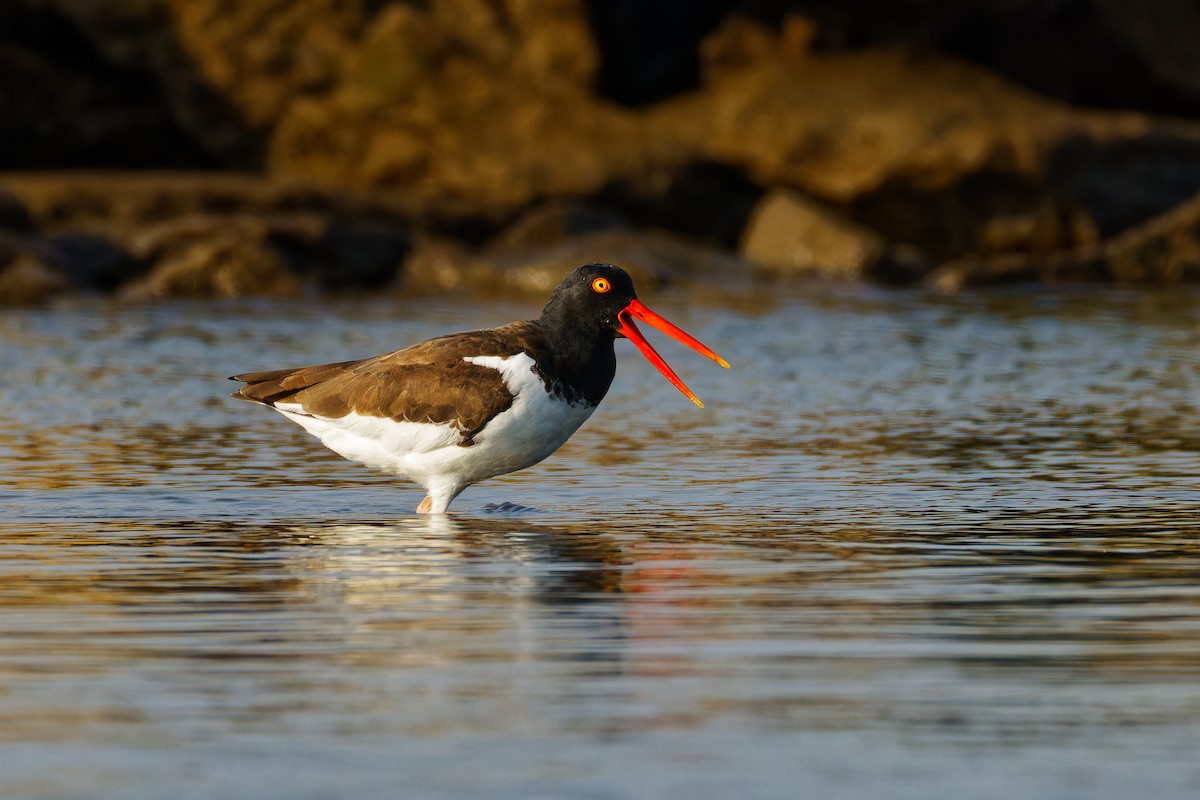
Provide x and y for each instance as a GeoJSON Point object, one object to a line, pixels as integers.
{"type": "Point", "coordinates": [533, 427]}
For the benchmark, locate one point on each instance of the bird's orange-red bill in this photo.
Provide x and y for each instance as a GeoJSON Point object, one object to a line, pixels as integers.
{"type": "Point", "coordinates": [630, 331]}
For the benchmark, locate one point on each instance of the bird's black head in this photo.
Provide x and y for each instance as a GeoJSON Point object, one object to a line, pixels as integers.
{"type": "Point", "coordinates": [595, 304]}
{"type": "Point", "coordinates": [589, 301]}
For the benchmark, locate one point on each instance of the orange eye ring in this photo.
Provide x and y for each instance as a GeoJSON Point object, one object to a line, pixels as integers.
{"type": "Point", "coordinates": [601, 285]}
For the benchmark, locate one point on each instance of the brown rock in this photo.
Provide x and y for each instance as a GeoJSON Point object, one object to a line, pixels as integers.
{"type": "Point", "coordinates": [1165, 250]}
{"type": "Point", "coordinates": [155, 241]}
{"type": "Point", "coordinates": [489, 150]}
{"type": "Point", "coordinates": [233, 263]}
{"type": "Point", "coordinates": [792, 235]}
{"type": "Point", "coordinates": [442, 265]}
{"type": "Point", "coordinates": [841, 126]}
{"type": "Point", "coordinates": [485, 105]}
{"type": "Point", "coordinates": [261, 56]}
{"type": "Point", "coordinates": [653, 259]}
{"type": "Point", "coordinates": [740, 43]}
{"type": "Point", "coordinates": [939, 154]}
{"type": "Point", "coordinates": [29, 279]}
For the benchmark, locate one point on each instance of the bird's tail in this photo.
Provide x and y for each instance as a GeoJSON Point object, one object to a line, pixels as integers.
{"type": "Point", "coordinates": [272, 386]}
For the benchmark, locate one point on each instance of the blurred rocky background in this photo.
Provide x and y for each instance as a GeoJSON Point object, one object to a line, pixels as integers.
{"type": "Point", "coordinates": [157, 148]}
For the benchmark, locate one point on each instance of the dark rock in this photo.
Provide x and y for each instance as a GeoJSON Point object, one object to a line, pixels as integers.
{"type": "Point", "coordinates": [91, 261]}
{"type": "Point", "coordinates": [986, 213]}
{"type": "Point", "coordinates": [14, 217]}
{"type": "Point", "coordinates": [10, 248]}
{"type": "Point", "coordinates": [362, 254]}
{"type": "Point", "coordinates": [701, 199]}
{"type": "Point", "coordinates": [1121, 182]}
{"type": "Point", "coordinates": [550, 223]}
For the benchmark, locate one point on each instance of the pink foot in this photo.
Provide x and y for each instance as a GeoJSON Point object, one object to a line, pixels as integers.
{"type": "Point", "coordinates": [426, 506]}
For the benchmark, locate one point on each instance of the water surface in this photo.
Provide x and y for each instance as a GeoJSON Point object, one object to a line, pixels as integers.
{"type": "Point", "coordinates": [914, 547]}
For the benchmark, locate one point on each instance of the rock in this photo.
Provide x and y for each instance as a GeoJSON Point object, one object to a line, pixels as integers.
{"type": "Point", "coordinates": [842, 126]}
{"type": "Point", "coordinates": [437, 264]}
{"type": "Point", "coordinates": [475, 103]}
{"type": "Point", "coordinates": [398, 122]}
{"type": "Point", "coordinates": [362, 254]}
{"type": "Point", "coordinates": [740, 43]}
{"type": "Point", "coordinates": [939, 155]}
{"type": "Point", "coordinates": [122, 203]}
{"type": "Point", "coordinates": [1120, 182]}
{"type": "Point", "coordinates": [91, 261]}
{"type": "Point", "coordinates": [335, 253]}
{"type": "Point", "coordinates": [792, 235]}
{"type": "Point", "coordinates": [250, 53]}
{"type": "Point", "coordinates": [653, 259]}
{"type": "Point", "coordinates": [296, 235]}
{"type": "Point", "coordinates": [372, 92]}
{"type": "Point", "coordinates": [555, 221]}
{"type": "Point", "coordinates": [235, 262]}
{"type": "Point", "coordinates": [1164, 250]}
{"type": "Point", "coordinates": [110, 227]}
{"type": "Point", "coordinates": [30, 279]}
{"type": "Point", "coordinates": [42, 266]}
{"type": "Point", "coordinates": [14, 217]}
{"type": "Point", "coordinates": [700, 199]}
{"type": "Point", "coordinates": [553, 143]}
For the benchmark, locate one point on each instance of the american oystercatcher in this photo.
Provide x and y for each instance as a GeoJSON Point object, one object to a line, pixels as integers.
{"type": "Point", "coordinates": [454, 410]}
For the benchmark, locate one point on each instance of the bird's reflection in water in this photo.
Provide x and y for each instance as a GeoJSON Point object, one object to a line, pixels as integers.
{"type": "Point", "coordinates": [466, 618]}
{"type": "Point", "coordinates": [440, 588]}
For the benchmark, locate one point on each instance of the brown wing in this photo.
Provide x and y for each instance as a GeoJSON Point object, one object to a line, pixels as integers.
{"type": "Point", "coordinates": [428, 382]}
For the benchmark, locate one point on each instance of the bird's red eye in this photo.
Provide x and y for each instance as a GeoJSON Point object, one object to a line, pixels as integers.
{"type": "Point", "coordinates": [601, 285]}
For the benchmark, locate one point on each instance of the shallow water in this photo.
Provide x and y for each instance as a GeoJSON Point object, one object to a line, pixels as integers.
{"type": "Point", "coordinates": [913, 548]}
